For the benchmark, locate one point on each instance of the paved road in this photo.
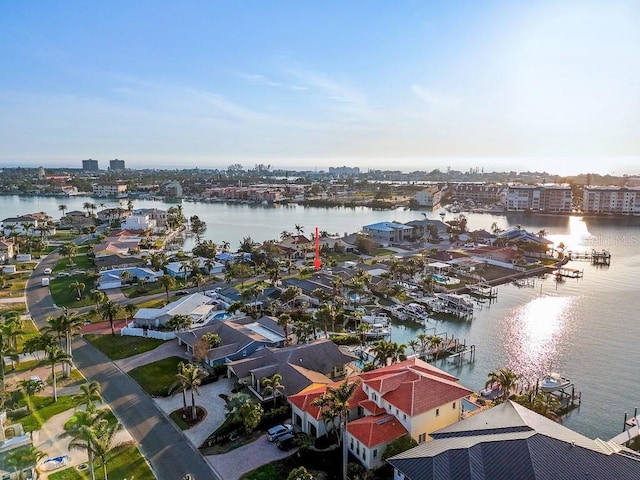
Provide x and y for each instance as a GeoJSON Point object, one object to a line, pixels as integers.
{"type": "Point", "coordinates": [170, 454]}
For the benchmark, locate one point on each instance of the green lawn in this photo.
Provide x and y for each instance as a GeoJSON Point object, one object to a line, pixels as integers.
{"type": "Point", "coordinates": [80, 261]}
{"type": "Point", "coordinates": [29, 330]}
{"type": "Point", "coordinates": [19, 307]}
{"type": "Point", "coordinates": [64, 296]}
{"type": "Point", "coordinates": [122, 346]}
{"type": "Point", "coordinates": [43, 409]}
{"type": "Point", "coordinates": [379, 252]}
{"type": "Point", "coordinates": [156, 378]}
{"type": "Point", "coordinates": [125, 463]}
{"type": "Point", "coordinates": [157, 303]}
{"type": "Point", "coordinates": [152, 288]}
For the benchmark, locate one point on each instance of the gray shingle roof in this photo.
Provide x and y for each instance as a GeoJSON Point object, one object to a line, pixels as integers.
{"type": "Point", "coordinates": [511, 442]}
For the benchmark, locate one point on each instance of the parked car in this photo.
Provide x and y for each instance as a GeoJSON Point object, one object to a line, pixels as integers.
{"type": "Point", "coordinates": [47, 271]}
{"type": "Point", "coordinates": [286, 442]}
{"type": "Point", "coordinates": [182, 292]}
{"type": "Point", "coordinates": [275, 433]}
{"type": "Point", "coordinates": [469, 245]}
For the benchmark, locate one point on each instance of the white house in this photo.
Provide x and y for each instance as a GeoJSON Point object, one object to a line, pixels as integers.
{"type": "Point", "coordinates": [388, 232]}
{"type": "Point", "coordinates": [139, 222]}
{"type": "Point", "coordinates": [429, 197]}
{"type": "Point", "coordinates": [199, 307]}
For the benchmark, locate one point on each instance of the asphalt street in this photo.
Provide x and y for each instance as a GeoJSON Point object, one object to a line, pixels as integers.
{"type": "Point", "coordinates": [169, 453]}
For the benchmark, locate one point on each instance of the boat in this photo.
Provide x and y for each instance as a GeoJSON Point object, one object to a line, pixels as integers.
{"type": "Point", "coordinates": [54, 463]}
{"type": "Point", "coordinates": [552, 382]}
{"type": "Point", "coordinates": [378, 330]}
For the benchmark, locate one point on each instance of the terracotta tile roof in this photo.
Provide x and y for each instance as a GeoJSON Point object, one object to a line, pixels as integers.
{"type": "Point", "coordinates": [371, 407]}
{"type": "Point", "coordinates": [414, 363]}
{"type": "Point", "coordinates": [424, 394]}
{"type": "Point", "coordinates": [304, 400]}
{"type": "Point", "coordinates": [372, 431]}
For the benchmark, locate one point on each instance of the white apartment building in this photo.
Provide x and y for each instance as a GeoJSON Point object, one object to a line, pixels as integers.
{"type": "Point", "coordinates": [611, 200]}
{"type": "Point", "coordinates": [429, 197]}
{"type": "Point", "coordinates": [546, 197]}
{"type": "Point", "coordinates": [109, 189]}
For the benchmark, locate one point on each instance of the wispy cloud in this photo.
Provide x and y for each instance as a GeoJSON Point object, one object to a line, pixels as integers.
{"type": "Point", "coordinates": [435, 99]}
{"type": "Point", "coordinates": [259, 79]}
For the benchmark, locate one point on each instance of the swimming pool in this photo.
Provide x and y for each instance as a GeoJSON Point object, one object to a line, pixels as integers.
{"type": "Point", "coordinates": [468, 406]}
{"type": "Point", "coordinates": [221, 316]}
{"type": "Point", "coordinates": [445, 280]}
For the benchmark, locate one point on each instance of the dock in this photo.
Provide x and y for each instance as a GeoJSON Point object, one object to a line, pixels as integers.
{"type": "Point", "coordinates": [482, 290]}
{"type": "Point", "coordinates": [630, 431]}
{"type": "Point", "coordinates": [596, 257]}
{"type": "Point", "coordinates": [568, 272]}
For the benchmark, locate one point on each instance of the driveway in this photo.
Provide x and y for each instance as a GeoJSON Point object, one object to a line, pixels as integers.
{"type": "Point", "coordinates": [166, 350]}
{"type": "Point", "coordinates": [236, 463]}
{"type": "Point", "coordinates": [210, 400]}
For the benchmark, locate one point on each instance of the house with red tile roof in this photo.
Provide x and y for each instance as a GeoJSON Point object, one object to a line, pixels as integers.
{"type": "Point", "coordinates": [407, 398]}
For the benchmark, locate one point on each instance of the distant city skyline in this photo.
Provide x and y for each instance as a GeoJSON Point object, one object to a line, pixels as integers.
{"type": "Point", "coordinates": [497, 85]}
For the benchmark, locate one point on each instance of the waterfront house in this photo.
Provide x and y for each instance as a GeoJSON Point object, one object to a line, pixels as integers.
{"type": "Point", "coordinates": [508, 442]}
{"type": "Point", "coordinates": [385, 233]}
{"type": "Point", "coordinates": [421, 228]}
{"type": "Point", "coordinates": [119, 243]}
{"type": "Point", "coordinates": [239, 338]}
{"type": "Point", "coordinates": [429, 196]}
{"type": "Point", "coordinates": [320, 362]}
{"type": "Point", "coordinates": [110, 214]}
{"type": "Point", "coordinates": [113, 278]}
{"type": "Point", "coordinates": [139, 222]}
{"type": "Point", "coordinates": [23, 224]}
{"type": "Point", "coordinates": [6, 250]}
{"type": "Point", "coordinates": [199, 307]}
{"type": "Point", "coordinates": [178, 269]}
{"type": "Point", "coordinates": [118, 190]}
{"type": "Point", "coordinates": [408, 398]}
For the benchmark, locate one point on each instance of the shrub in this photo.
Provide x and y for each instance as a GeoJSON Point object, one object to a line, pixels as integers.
{"type": "Point", "coordinates": [346, 340]}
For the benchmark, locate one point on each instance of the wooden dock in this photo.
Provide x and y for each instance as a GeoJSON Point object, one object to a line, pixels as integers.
{"type": "Point", "coordinates": [568, 272]}
{"type": "Point", "coordinates": [596, 257]}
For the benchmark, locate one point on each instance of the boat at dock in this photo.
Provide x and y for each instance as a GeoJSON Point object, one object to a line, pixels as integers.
{"type": "Point", "coordinates": [378, 330]}
{"type": "Point", "coordinates": [553, 382]}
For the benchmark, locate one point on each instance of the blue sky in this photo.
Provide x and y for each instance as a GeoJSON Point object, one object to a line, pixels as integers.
{"type": "Point", "coordinates": [298, 84]}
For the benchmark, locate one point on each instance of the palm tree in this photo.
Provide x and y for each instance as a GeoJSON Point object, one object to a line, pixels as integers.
{"type": "Point", "coordinates": [109, 310]}
{"type": "Point", "coordinates": [131, 309]}
{"type": "Point", "coordinates": [168, 282]}
{"type": "Point", "coordinates": [104, 433]}
{"type": "Point", "coordinates": [79, 287]}
{"type": "Point", "coordinates": [82, 434]}
{"type": "Point", "coordinates": [69, 250]}
{"type": "Point", "coordinates": [30, 387]}
{"type": "Point", "coordinates": [299, 229]}
{"type": "Point", "coordinates": [505, 378]}
{"type": "Point", "coordinates": [24, 457]}
{"type": "Point", "coordinates": [273, 385]}
{"type": "Point", "coordinates": [413, 345]}
{"type": "Point", "coordinates": [90, 393]}
{"type": "Point", "coordinates": [125, 276]}
{"type": "Point", "coordinates": [179, 322]}
{"type": "Point", "coordinates": [56, 355]}
{"type": "Point", "coordinates": [234, 402]}
{"type": "Point", "coordinates": [97, 296]}
{"type": "Point", "coordinates": [62, 208]}
{"type": "Point", "coordinates": [180, 385]}
{"type": "Point", "coordinates": [192, 377]}
{"type": "Point", "coordinates": [65, 326]}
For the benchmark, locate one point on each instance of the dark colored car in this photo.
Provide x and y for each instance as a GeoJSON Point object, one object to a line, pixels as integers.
{"type": "Point", "coordinates": [182, 292]}
{"type": "Point", "coordinates": [286, 442]}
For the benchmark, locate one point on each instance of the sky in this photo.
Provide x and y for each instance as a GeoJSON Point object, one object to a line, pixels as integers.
{"type": "Point", "coordinates": [403, 85]}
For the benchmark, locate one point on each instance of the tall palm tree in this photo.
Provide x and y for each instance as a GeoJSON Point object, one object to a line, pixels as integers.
{"type": "Point", "coordinates": [505, 378]}
{"type": "Point", "coordinates": [284, 321]}
{"type": "Point", "coordinates": [54, 356]}
{"type": "Point", "coordinates": [69, 250]}
{"type": "Point", "coordinates": [299, 229]}
{"type": "Point", "coordinates": [180, 385]}
{"type": "Point", "coordinates": [104, 433]}
{"type": "Point", "coordinates": [131, 309]}
{"type": "Point", "coordinates": [167, 282]}
{"type": "Point", "coordinates": [22, 458]}
{"type": "Point", "coordinates": [97, 296]}
{"type": "Point", "coordinates": [192, 376]}
{"type": "Point", "coordinates": [62, 207]}
{"type": "Point", "coordinates": [273, 385]}
{"type": "Point", "coordinates": [65, 326]}
{"type": "Point", "coordinates": [89, 393]}
{"type": "Point", "coordinates": [109, 310]}
{"type": "Point", "coordinates": [82, 434]}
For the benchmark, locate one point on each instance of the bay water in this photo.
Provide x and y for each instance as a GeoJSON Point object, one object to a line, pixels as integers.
{"type": "Point", "coordinates": [586, 329]}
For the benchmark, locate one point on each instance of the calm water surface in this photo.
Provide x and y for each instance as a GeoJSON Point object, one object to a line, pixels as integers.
{"type": "Point", "coordinates": [586, 329]}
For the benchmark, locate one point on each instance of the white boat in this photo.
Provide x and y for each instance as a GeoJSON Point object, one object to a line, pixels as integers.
{"type": "Point", "coordinates": [54, 463]}
{"type": "Point", "coordinates": [378, 330]}
{"type": "Point", "coordinates": [553, 382]}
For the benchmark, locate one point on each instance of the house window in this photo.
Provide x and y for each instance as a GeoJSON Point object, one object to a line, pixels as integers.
{"type": "Point", "coordinates": [364, 454]}
{"type": "Point", "coordinates": [375, 397]}
{"type": "Point", "coordinates": [298, 420]}
{"type": "Point", "coordinates": [437, 412]}
{"type": "Point", "coordinates": [351, 445]}
{"type": "Point", "coordinates": [360, 411]}
{"type": "Point", "coordinates": [375, 453]}
{"type": "Point", "coordinates": [422, 438]}
{"type": "Point", "coordinates": [454, 405]}
{"type": "Point", "coordinates": [396, 411]}
{"type": "Point", "coordinates": [404, 416]}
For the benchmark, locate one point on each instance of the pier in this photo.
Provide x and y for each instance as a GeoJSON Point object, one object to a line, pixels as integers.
{"type": "Point", "coordinates": [483, 290]}
{"type": "Point", "coordinates": [568, 272]}
{"type": "Point", "coordinates": [596, 257]}
{"type": "Point", "coordinates": [630, 432]}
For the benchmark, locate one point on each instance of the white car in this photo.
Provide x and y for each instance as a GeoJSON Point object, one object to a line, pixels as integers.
{"type": "Point", "coordinates": [47, 271]}
{"type": "Point", "coordinates": [274, 433]}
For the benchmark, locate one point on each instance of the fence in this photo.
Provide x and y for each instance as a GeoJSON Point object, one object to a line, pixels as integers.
{"type": "Point", "coordinates": [140, 332]}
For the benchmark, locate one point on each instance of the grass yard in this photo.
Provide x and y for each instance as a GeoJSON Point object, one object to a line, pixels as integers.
{"type": "Point", "coordinates": [379, 252]}
{"type": "Point", "coordinates": [19, 307]}
{"type": "Point", "coordinates": [64, 296]}
{"type": "Point", "coordinates": [43, 409]}
{"type": "Point", "coordinates": [80, 261]}
{"type": "Point", "coordinates": [29, 330]}
{"type": "Point", "coordinates": [152, 289]}
{"type": "Point", "coordinates": [157, 303]}
{"type": "Point", "coordinates": [156, 378]}
{"type": "Point", "coordinates": [123, 463]}
{"type": "Point", "coordinates": [122, 346]}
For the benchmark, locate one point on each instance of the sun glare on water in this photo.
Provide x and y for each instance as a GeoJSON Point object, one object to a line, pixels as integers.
{"type": "Point", "coordinates": [535, 333]}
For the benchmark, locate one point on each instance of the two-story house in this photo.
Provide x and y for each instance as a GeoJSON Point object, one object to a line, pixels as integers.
{"type": "Point", "coordinates": [408, 398]}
